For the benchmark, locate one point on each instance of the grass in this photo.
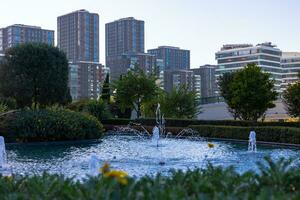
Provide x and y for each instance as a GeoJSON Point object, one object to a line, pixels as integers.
{"type": "Point", "coordinates": [276, 180]}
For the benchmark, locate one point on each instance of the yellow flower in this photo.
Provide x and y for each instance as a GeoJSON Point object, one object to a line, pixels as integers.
{"type": "Point", "coordinates": [210, 145]}
{"type": "Point", "coordinates": [116, 174]}
{"type": "Point", "coordinates": [105, 168]}
{"type": "Point", "coordinates": [120, 176]}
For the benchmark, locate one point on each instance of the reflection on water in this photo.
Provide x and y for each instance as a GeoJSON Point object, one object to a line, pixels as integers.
{"type": "Point", "coordinates": [138, 156]}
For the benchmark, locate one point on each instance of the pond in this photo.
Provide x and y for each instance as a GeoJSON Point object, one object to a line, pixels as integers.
{"type": "Point", "coordinates": [139, 156]}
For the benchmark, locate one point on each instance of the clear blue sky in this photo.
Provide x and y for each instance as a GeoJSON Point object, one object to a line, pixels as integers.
{"type": "Point", "coordinates": [201, 26]}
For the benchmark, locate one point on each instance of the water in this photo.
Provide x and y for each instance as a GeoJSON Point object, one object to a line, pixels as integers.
{"type": "Point", "coordinates": [252, 141]}
{"type": "Point", "coordinates": [2, 153]}
{"type": "Point", "coordinates": [138, 156]}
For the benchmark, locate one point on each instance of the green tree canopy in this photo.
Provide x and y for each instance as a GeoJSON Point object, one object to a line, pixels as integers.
{"type": "Point", "coordinates": [106, 90]}
{"type": "Point", "coordinates": [224, 83]}
{"type": "Point", "coordinates": [249, 92]}
{"type": "Point", "coordinates": [35, 74]}
{"type": "Point", "coordinates": [135, 88]}
{"type": "Point", "coordinates": [180, 103]}
{"type": "Point", "coordinates": [291, 99]}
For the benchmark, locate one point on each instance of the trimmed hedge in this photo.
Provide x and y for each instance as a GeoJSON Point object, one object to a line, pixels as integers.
{"type": "Point", "coordinates": [267, 134]}
{"type": "Point", "coordinates": [187, 122]}
{"type": "Point", "coordinates": [50, 125]}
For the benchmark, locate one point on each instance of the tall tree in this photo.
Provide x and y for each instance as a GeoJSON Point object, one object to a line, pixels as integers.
{"type": "Point", "coordinates": [106, 90]}
{"type": "Point", "coordinates": [224, 83]}
{"type": "Point", "coordinates": [249, 92]}
{"type": "Point", "coordinates": [35, 74]}
{"type": "Point", "coordinates": [135, 88]}
{"type": "Point", "coordinates": [180, 103]}
{"type": "Point", "coordinates": [291, 99]}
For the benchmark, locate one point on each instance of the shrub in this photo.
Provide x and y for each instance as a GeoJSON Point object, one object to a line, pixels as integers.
{"type": "Point", "coordinates": [97, 108]}
{"type": "Point", "coordinates": [3, 108]}
{"type": "Point", "coordinates": [275, 180]}
{"type": "Point", "coordinates": [50, 125]}
{"type": "Point", "coordinates": [267, 134]}
{"type": "Point", "coordinates": [9, 102]}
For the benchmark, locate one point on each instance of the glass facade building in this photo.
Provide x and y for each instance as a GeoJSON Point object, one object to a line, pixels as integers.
{"type": "Point", "coordinates": [236, 56]}
{"type": "Point", "coordinates": [174, 58]}
{"type": "Point", "coordinates": [19, 34]}
{"type": "Point", "coordinates": [290, 63]}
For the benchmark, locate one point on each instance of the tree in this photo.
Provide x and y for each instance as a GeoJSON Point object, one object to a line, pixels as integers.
{"type": "Point", "coordinates": [97, 108]}
{"type": "Point", "coordinates": [135, 88]}
{"type": "Point", "coordinates": [180, 103]}
{"type": "Point", "coordinates": [35, 74]}
{"type": "Point", "coordinates": [249, 93]}
{"type": "Point", "coordinates": [291, 99]}
{"type": "Point", "coordinates": [224, 83]}
{"type": "Point", "coordinates": [106, 90]}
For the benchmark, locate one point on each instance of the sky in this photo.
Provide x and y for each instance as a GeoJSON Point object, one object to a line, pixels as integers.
{"type": "Point", "coordinates": [201, 26]}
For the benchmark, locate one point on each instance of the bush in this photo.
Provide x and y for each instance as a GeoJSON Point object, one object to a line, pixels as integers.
{"type": "Point", "coordinates": [274, 181]}
{"type": "Point", "coordinates": [9, 102]}
{"type": "Point", "coordinates": [97, 108]}
{"type": "Point", "coordinates": [50, 125]}
{"type": "Point", "coordinates": [267, 134]}
{"type": "Point", "coordinates": [3, 108]}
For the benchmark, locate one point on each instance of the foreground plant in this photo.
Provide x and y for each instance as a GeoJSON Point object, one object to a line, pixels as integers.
{"type": "Point", "coordinates": [275, 180]}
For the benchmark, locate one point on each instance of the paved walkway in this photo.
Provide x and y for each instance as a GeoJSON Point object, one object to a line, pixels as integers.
{"type": "Point", "coordinates": [218, 111]}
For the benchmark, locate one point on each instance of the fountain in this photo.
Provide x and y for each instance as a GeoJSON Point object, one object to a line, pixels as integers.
{"type": "Point", "coordinates": [2, 153]}
{"type": "Point", "coordinates": [252, 141]}
{"type": "Point", "coordinates": [160, 120]}
{"type": "Point", "coordinates": [186, 131]}
{"type": "Point", "coordinates": [94, 165]}
{"type": "Point", "coordinates": [155, 135]}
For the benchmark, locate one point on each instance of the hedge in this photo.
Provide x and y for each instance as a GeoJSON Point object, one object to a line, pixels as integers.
{"type": "Point", "coordinates": [50, 125]}
{"type": "Point", "coordinates": [188, 122]}
{"type": "Point", "coordinates": [267, 134]}
{"type": "Point", "coordinates": [278, 180]}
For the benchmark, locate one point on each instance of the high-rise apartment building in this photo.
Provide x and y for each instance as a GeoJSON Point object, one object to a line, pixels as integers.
{"type": "Point", "coordinates": [207, 78]}
{"type": "Point", "coordinates": [236, 56]}
{"type": "Point", "coordinates": [290, 63]}
{"type": "Point", "coordinates": [177, 78]}
{"type": "Point", "coordinates": [174, 58]}
{"type": "Point", "coordinates": [78, 37]}
{"type": "Point", "coordinates": [123, 37]}
{"type": "Point", "coordinates": [19, 34]}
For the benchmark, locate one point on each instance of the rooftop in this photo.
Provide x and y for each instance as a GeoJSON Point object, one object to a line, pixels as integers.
{"type": "Point", "coordinates": [126, 19]}
{"type": "Point", "coordinates": [78, 11]}
{"type": "Point", "coordinates": [267, 44]}
{"type": "Point", "coordinates": [235, 46]}
{"type": "Point", "coordinates": [26, 26]}
{"type": "Point", "coordinates": [290, 54]}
